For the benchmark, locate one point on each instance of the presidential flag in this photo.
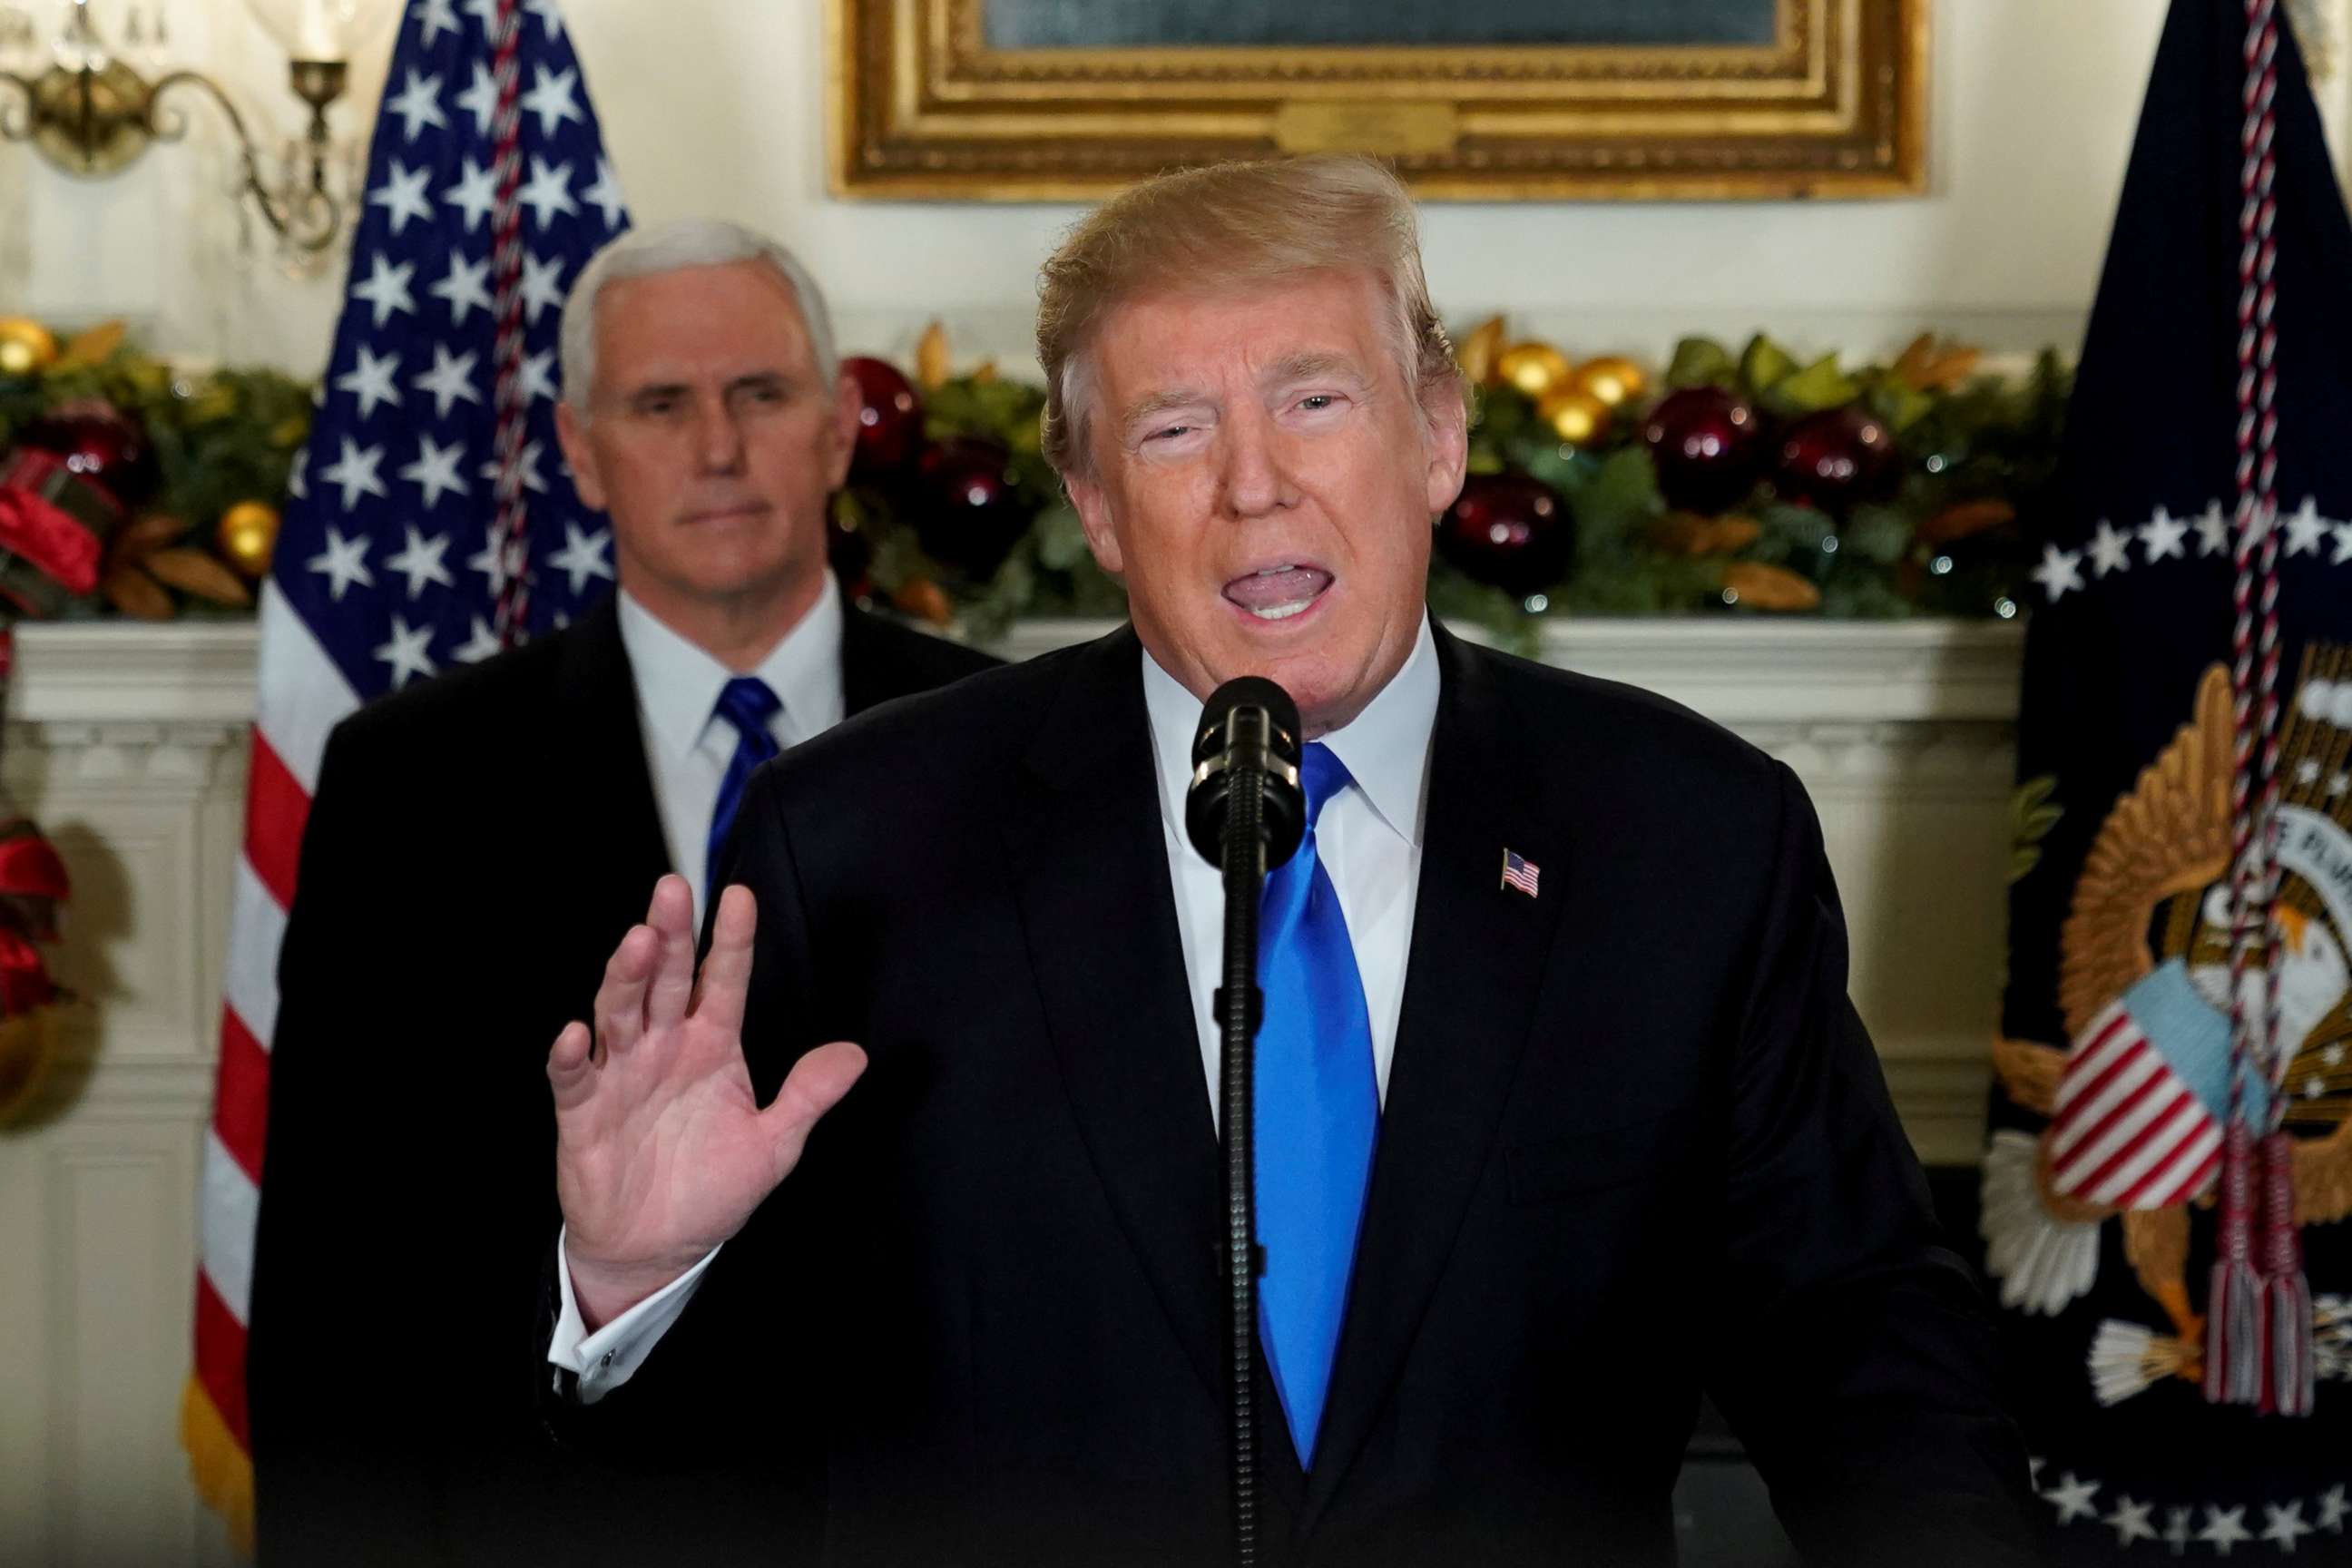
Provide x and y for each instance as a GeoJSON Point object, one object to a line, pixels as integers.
{"type": "Point", "coordinates": [431, 521]}
{"type": "Point", "coordinates": [2208, 419]}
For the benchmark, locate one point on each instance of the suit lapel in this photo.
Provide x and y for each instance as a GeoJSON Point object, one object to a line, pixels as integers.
{"type": "Point", "coordinates": [1471, 983]}
{"type": "Point", "coordinates": [1090, 877]}
{"type": "Point", "coordinates": [616, 837]}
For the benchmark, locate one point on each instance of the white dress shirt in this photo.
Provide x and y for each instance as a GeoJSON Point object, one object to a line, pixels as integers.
{"type": "Point", "coordinates": [1368, 838]}
{"type": "Point", "coordinates": [688, 746]}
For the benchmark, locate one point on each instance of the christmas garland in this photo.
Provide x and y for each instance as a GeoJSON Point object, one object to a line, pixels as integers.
{"type": "Point", "coordinates": [1749, 482]}
{"type": "Point", "coordinates": [133, 487]}
{"type": "Point", "coordinates": [1730, 482]}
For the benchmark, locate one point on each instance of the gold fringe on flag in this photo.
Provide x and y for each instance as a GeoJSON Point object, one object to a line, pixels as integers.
{"type": "Point", "coordinates": [222, 1472]}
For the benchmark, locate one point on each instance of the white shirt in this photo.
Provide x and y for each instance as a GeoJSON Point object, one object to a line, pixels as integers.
{"type": "Point", "coordinates": [688, 746]}
{"type": "Point", "coordinates": [1368, 838]}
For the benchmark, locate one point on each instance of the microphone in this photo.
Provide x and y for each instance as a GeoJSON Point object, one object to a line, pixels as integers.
{"type": "Point", "coordinates": [1246, 741]}
{"type": "Point", "coordinates": [1246, 813]}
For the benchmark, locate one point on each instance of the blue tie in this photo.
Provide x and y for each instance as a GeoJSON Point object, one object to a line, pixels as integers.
{"type": "Point", "coordinates": [1317, 1110]}
{"type": "Point", "coordinates": [748, 704]}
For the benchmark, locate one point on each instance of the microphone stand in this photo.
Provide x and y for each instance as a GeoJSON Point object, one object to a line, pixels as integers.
{"type": "Point", "coordinates": [1239, 1005]}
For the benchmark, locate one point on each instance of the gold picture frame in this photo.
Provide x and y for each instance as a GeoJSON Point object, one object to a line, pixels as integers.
{"type": "Point", "coordinates": [926, 104]}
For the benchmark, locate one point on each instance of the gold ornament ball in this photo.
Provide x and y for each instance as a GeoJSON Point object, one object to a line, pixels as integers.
{"type": "Point", "coordinates": [1534, 368]}
{"type": "Point", "coordinates": [248, 533]}
{"type": "Point", "coordinates": [1611, 378]}
{"type": "Point", "coordinates": [1576, 417]}
{"type": "Point", "coordinates": [26, 346]}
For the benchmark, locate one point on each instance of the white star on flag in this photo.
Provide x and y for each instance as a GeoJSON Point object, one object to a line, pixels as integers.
{"type": "Point", "coordinates": [2132, 1521]}
{"type": "Point", "coordinates": [420, 561]}
{"type": "Point", "coordinates": [406, 651]}
{"type": "Point", "coordinates": [298, 479]}
{"type": "Point", "coordinates": [475, 193]}
{"type": "Point", "coordinates": [354, 473]}
{"type": "Point", "coordinates": [551, 99]}
{"type": "Point", "coordinates": [479, 647]}
{"type": "Point", "coordinates": [2071, 1498]}
{"type": "Point", "coordinates": [547, 191]}
{"type": "Point", "coordinates": [418, 105]}
{"type": "Point", "coordinates": [2224, 1528]}
{"type": "Point", "coordinates": [401, 194]}
{"type": "Point", "coordinates": [463, 288]}
{"type": "Point", "coordinates": [493, 563]}
{"type": "Point", "coordinates": [2213, 532]}
{"type": "Point", "coordinates": [481, 99]}
{"type": "Point", "coordinates": [2059, 571]}
{"type": "Point", "coordinates": [539, 375]}
{"type": "Point", "coordinates": [371, 381]}
{"type": "Point", "coordinates": [386, 288]}
{"type": "Point", "coordinates": [2161, 536]}
{"type": "Point", "coordinates": [434, 471]}
{"type": "Point", "coordinates": [450, 380]}
{"type": "Point", "coordinates": [582, 555]}
{"type": "Point", "coordinates": [2305, 529]}
{"type": "Point", "coordinates": [2110, 549]}
{"type": "Point", "coordinates": [343, 562]}
{"type": "Point", "coordinates": [436, 17]}
{"type": "Point", "coordinates": [545, 11]}
{"type": "Point", "coordinates": [2333, 1508]}
{"type": "Point", "coordinates": [605, 195]}
{"type": "Point", "coordinates": [486, 12]}
{"type": "Point", "coordinates": [542, 285]}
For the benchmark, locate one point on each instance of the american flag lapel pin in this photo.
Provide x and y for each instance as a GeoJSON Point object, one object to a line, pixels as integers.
{"type": "Point", "coordinates": [1519, 872]}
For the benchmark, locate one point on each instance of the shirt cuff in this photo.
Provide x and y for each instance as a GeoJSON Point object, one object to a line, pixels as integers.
{"type": "Point", "coordinates": [609, 1357]}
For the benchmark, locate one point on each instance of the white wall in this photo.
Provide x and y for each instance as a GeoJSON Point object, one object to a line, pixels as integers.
{"type": "Point", "coordinates": [718, 106]}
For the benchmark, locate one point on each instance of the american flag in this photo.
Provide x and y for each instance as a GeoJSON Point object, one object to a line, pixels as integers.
{"type": "Point", "coordinates": [430, 521]}
{"type": "Point", "coordinates": [2128, 1130]}
{"type": "Point", "coordinates": [1520, 872]}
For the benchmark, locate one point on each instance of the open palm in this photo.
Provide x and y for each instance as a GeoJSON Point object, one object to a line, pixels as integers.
{"type": "Point", "coordinates": [662, 1151]}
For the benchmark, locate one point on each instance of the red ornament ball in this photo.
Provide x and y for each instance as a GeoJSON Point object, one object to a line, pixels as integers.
{"type": "Point", "coordinates": [889, 418]}
{"type": "Point", "coordinates": [1707, 444]}
{"type": "Point", "coordinates": [1508, 531]}
{"type": "Point", "coordinates": [1837, 459]}
{"type": "Point", "coordinates": [969, 515]}
{"type": "Point", "coordinates": [100, 444]}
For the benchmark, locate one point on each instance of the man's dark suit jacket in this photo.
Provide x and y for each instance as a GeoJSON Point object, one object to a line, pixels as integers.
{"type": "Point", "coordinates": [477, 846]}
{"type": "Point", "coordinates": [1635, 1144]}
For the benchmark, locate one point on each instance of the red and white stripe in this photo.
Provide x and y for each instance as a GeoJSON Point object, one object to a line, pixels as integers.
{"type": "Point", "coordinates": [2125, 1132]}
{"type": "Point", "coordinates": [302, 697]}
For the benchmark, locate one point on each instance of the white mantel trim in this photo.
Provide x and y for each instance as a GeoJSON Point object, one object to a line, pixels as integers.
{"type": "Point", "coordinates": [1736, 671]}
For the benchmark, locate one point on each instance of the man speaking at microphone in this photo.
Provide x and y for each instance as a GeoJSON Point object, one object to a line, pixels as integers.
{"type": "Point", "coordinates": [1562, 1114]}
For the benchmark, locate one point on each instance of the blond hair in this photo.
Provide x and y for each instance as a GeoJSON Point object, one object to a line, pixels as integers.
{"type": "Point", "coordinates": [1213, 230]}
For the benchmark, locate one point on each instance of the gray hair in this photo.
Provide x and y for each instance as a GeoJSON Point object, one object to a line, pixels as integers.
{"type": "Point", "coordinates": [675, 246]}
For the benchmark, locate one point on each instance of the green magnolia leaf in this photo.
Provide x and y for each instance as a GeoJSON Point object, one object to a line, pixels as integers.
{"type": "Point", "coordinates": [1820, 385]}
{"type": "Point", "coordinates": [1702, 361]}
{"type": "Point", "coordinates": [1900, 405]}
{"type": "Point", "coordinates": [1765, 364]}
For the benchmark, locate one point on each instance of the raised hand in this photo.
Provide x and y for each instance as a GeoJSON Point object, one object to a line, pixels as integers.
{"type": "Point", "coordinates": [661, 1152]}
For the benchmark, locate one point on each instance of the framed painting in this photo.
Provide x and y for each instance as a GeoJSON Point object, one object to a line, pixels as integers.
{"type": "Point", "coordinates": [1054, 99]}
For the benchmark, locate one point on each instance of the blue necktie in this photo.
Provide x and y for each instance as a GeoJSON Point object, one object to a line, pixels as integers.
{"type": "Point", "coordinates": [748, 704]}
{"type": "Point", "coordinates": [1318, 1112]}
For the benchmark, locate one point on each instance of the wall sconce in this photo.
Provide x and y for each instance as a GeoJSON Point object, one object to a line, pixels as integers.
{"type": "Point", "coordinates": [91, 113]}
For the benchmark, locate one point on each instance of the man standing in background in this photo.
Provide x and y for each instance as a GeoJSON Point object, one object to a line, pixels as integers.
{"type": "Point", "coordinates": [409, 1123]}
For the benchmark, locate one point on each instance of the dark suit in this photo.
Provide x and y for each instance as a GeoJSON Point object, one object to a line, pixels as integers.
{"type": "Point", "coordinates": [477, 847]}
{"type": "Point", "coordinates": [1635, 1144]}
